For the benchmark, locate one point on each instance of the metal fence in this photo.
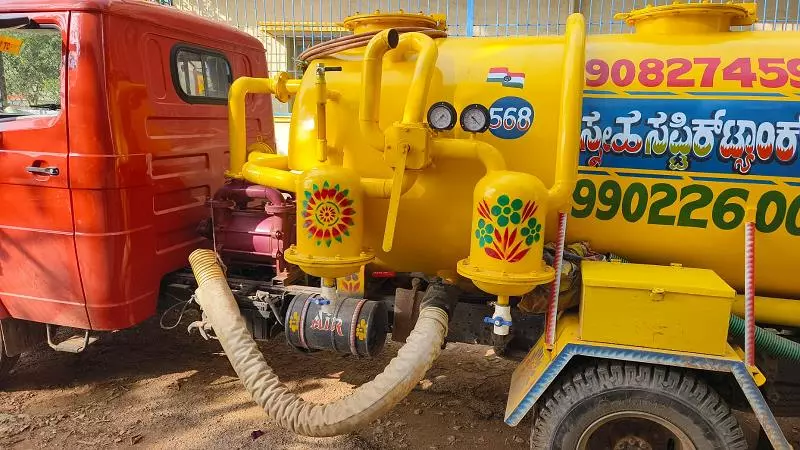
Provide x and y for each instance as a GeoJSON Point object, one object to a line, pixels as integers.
{"type": "Point", "coordinates": [288, 27]}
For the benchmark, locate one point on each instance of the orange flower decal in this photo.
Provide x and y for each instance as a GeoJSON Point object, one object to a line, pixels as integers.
{"type": "Point", "coordinates": [327, 213]}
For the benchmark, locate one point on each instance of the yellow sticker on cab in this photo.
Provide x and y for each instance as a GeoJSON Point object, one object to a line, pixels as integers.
{"type": "Point", "coordinates": [11, 45]}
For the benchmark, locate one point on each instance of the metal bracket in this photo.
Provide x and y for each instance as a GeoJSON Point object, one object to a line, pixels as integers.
{"type": "Point", "coordinates": [75, 344]}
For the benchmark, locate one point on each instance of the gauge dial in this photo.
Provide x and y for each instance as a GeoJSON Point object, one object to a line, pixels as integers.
{"type": "Point", "coordinates": [475, 118]}
{"type": "Point", "coordinates": [442, 116]}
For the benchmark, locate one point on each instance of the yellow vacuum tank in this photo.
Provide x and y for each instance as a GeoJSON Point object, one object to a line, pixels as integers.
{"type": "Point", "coordinates": [686, 125]}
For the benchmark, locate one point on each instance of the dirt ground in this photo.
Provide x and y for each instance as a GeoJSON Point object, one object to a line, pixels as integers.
{"type": "Point", "coordinates": [150, 388]}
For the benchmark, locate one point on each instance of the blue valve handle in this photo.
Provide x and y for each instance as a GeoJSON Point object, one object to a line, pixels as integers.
{"type": "Point", "coordinates": [497, 321]}
{"type": "Point", "coordinates": [321, 301]}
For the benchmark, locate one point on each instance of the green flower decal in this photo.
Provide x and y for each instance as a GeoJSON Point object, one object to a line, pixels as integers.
{"type": "Point", "coordinates": [532, 231]}
{"type": "Point", "coordinates": [506, 211]}
{"type": "Point", "coordinates": [507, 229]}
{"type": "Point", "coordinates": [484, 233]}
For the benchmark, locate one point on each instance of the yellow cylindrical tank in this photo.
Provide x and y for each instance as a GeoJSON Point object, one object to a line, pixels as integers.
{"type": "Point", "coordinates": [684, 127]}
{"type": "Point", "coordinates": [508, 215]}
{"type": "Point", "coordinates": [330, 223]}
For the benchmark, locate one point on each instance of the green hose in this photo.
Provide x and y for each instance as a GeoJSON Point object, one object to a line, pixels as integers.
{"type": "Point", "coordinates": [774, 345]}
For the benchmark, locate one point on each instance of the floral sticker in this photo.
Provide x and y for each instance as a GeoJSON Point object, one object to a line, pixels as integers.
{"type": "Point", "coordinates": [327, 213]}
{"type": "Point", "coordinates": [507, 229]}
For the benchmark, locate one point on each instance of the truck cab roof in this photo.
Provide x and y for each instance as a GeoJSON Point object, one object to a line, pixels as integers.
{"type": "Point", "coordinates": [140, 10]}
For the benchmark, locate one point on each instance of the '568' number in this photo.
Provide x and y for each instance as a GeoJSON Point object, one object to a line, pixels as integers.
{"type": "Point", "coordinates": [510, 118]}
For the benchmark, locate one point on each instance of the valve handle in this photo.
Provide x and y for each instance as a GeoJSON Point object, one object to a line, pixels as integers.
{"type": "Point", "coordinates": [321, 301]}
{"type": "Point", "coordinates": [497, 321]}
{"type": "Point", "coordinates": [394, 200]}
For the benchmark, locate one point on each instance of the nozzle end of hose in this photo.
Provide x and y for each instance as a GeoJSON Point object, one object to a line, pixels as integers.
{"type": "Point", "coordinates": [204, 266]}
{"type": "Point", "coordinates": [393, 38]}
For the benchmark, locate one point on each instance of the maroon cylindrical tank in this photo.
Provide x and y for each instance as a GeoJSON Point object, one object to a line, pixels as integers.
{"type": "Point", "coordinates": [245, 229]}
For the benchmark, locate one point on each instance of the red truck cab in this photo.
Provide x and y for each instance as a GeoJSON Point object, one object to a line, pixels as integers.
{"type": "Point", "coordinates": [105, 168]}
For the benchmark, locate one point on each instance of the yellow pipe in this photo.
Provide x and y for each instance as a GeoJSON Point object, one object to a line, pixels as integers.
{"type": "Point", "coordinates": [490, 156]}
{"type": "Point", "coordinates": [237, 128]}
{"type": "Point", "coordinates": [270, 172]}
{"type": "Point", "coordinates": [769, 310]}
{"type": "Point", "coordinates": [428, 52]}
{"type": "Point", "coordinates": [382, 187]}
{"type": "Point", "coordinates": [371, 86]}
{"type": "Point", "coordinates": [293, 86]}
{"type": "Point", "coordinates": [569, 119]}
{"type": "Point", "coordinates": [322, 118]}
{"type": "Point", "coordinates": [269, 160]}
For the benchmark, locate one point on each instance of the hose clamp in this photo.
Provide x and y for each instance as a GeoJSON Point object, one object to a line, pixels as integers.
{"type": "Point", "coordinates": [354, 326]}
{"type": "Point", "coordinates": [302, 323]}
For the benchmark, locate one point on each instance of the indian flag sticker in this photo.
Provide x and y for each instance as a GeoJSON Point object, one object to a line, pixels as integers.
{"type": "Point", "coordinates": [506, 78]}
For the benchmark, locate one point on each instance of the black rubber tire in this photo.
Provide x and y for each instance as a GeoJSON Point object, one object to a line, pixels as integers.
{"type": "Point", "coordinates": [6, 362]}
{"type": "Point", "coordinates": [579, 398]}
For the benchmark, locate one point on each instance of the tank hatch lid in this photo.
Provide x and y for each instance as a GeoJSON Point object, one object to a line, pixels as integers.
{"type": "Point", "coordinates": [364, 23]}
{"type": "Point", "coordinates": [674, 278]}
{"type": "Point", "coordinates": [680, 17]}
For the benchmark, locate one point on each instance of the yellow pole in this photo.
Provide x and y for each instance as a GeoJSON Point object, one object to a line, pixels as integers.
{"type": "Point", "coordinates": [322, 122]}
{"type": "Point", "coordinates": [569, 119]}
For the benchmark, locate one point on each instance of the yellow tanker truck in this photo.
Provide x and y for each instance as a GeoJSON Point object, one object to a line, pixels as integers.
{"type": "Point", "coordinates": [446, 164]}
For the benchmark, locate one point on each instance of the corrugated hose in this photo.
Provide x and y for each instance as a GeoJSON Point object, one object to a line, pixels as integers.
{"type": "Point", "coordinates": [770, 343]}
{"type": "Point", "coordinates": [339, 44]}
{"type": "Point", "coordinates": [365, 404]}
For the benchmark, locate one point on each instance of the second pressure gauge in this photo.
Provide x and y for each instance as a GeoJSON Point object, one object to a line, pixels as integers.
{"type": "Point", "coordinates": [475, 118]}
{"type": "Point", "coordinates": [442, 116]}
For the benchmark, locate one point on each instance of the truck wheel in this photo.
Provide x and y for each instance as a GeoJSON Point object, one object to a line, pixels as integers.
{"type": "Point", "coordinates": [6, 362]}
{"type": "Point", "coordinates": [618, 406]}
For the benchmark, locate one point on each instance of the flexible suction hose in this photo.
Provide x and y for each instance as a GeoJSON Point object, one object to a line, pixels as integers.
{"type": "Point", "coordinates": [343, 43]}
{"type": "Point", "coordinates": [770, 343]}
{"type": "Point", "coordinates": [364, 405]}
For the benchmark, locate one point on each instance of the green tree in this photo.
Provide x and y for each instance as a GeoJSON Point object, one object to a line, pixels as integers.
{"type": "Point", "coordinates": [35, 73]}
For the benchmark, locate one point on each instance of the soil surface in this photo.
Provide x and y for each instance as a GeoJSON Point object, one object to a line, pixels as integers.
{"type": "Point", "coordinates": [151, 388]}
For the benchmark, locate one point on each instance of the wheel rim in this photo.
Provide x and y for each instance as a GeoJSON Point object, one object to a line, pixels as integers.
{"type": "Point", "coordinates": [634, 430]}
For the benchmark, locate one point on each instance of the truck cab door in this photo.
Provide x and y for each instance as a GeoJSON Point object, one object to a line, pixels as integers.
{"type": "Point", "coordinates": [39, 276]}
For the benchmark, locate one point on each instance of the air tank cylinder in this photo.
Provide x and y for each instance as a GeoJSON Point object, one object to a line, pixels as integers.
{"type": "Point", "coordinates": [350, 326]}
{"type": "Point", "coordinates": [507, 239]}
{"type": "Point", "coordinates": [330, 223]}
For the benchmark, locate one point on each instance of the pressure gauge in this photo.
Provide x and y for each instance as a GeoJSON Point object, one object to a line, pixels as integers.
{"type": "Point", "coordinates": [442, 116]}
{"type": "Point", "coordinates": [475, 118]}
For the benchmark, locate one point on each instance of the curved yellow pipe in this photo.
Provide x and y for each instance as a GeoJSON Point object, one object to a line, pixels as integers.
{"type": "Point", "coordinates": [569, 119]}
{"type": "Point", "coordinates": [414, 110]}
{"type": "Point", "coordinates": [237, 127]}
{"type": "Point", "coordinates": [269, 160]}
{"type": "Point", "coordinates": [382, 187]}
{"type": "Point", "coordinates": [261, 171]}
{"type": "Point", "coordinates": [490, 156]}
{"type": "Point", "coordinates": [371, 86]}
{"type": "Point", "coordinates": [428, 52]}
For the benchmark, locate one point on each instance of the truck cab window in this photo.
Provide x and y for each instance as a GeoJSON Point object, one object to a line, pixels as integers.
{"type": "Point", "coordinates": [30, 72]}
{"type": "Point", "coordinates": [201, 76]}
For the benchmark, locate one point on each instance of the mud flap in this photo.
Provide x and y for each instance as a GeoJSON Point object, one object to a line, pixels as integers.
{"type": "Point", "coordinates": [21, 335]}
